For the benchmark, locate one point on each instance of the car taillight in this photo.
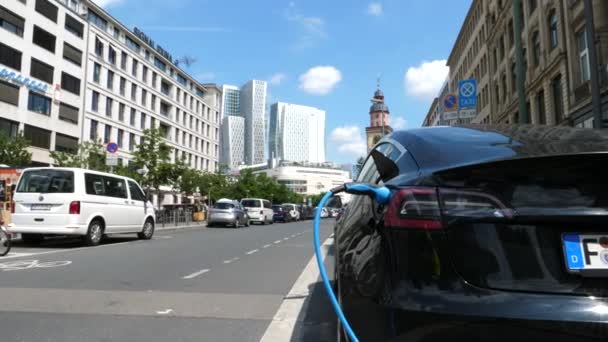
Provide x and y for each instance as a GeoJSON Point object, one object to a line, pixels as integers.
{"type": "Point", "coordinates": [75, 207]}
{"type": "Point", "coordinates": [414, 208]}
{"type": "Point", "coordinates": [12, 207]}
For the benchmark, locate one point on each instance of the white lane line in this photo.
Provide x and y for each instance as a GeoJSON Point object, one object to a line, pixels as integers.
{"type": "Point", "coordinates": [196, 274]}
{"type": "Point", "coordinates": [18, 255]}
{"type": "Point", "coordinates": [266, 246]}
{"type": "Point", "coordinates": [165, 312]}
{"type": "Point", "coordinates": [283, 324]}
{"type": "Point", "coordinates": [285, 239]}
{"type": "Point", "coordinates": [230, 260]}
{"type": "Point", "coordinates": [293, 235]}
{"type": "Point", "coordinates": [252, 251]}
{"type": "Point", "coordinates": [329, 242]}
{"type": "Point", "coordinates": [277, 241]}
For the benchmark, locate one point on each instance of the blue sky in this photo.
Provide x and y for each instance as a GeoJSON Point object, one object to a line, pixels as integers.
{"type": "Point", "coordinates": [326, 54]}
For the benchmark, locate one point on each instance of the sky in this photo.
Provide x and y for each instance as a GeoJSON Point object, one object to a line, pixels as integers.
{"type": "Point", "coordinates": [325, 54]}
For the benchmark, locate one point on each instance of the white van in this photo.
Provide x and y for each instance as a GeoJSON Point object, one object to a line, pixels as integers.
{"type": "Point", "coordinates": [259, 210]}
{"type": "Point", "coordinates": [73, 201]}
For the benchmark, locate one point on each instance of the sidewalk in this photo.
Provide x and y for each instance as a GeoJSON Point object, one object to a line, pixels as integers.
{"type": "Point", "coordinates": [160, 228]}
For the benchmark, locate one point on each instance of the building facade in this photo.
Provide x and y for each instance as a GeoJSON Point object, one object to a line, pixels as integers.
{"type": "Point", "coordinates": [133, 85]}
{"type": "Point", "coordinates": [556, 64]}
{"type": "Point", "coordinates": [296, 133]}
{"type": "Point", "coordinates": [379, 118]}
{"type": "Point", "coordinates": [42, 73]}
{"type": "Point", "coordinates": [232, 141]}
{"type": "Point", "coordinates": [230, 101]}
{"type": "Point", "coordinates": [253, 108]}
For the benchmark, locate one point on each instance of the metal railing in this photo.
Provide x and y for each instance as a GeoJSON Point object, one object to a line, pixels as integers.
{"type": "Point", "coordinates": [174, 217]}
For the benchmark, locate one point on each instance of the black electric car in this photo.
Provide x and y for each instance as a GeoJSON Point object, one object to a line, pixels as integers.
{"type": "Point", "coordinates": [493, 233]}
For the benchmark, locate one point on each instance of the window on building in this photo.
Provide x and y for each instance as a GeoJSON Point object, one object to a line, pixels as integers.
{"type": "Point", "coordinates": [72, 54]}
{"type": "Point", "coordinates": [47, 9]}
{"type": "Point", "coordinates": [44, 39]}
{"type": "Point", "coordinates": [536, 48]}
{"type": "Point", "coordinates": [144, 97]}
{"type": "Point", "coordinates": [70, 83]}
{"type": "Point", "coordinates": [96, 72]}
{"type": "Point", "coordinates": [133, 91]}
{"type": "Point", "coordinates": [153, 102]}
{"type": "Point", "coordinates": [164, 130]}
{"type": "Point", "coordinates": [9, 128]}
{"type": "Point", "coordinates": [109, 104]}
{"type": "Point", "coordinates": [131, 141]}
{"type": "Point", "coordinates": [107, 134]}
{"type": "Point", "coordinates": [11, 22]}
{"type": "Point", "coordinates": [144, 73]}
{"type": "Point", "coordinates": [41, 71]}
{"type": "Point", "coordinates": [121, 112]}
{"type": "Point", "coordinates": [134, 65]}
{"type": "Point", "coordinates": [160, 64]}
{"type": "Point", "coordinates": [153, 79]}
{"type": "Point", "coordinates": [152, 122]}
{"type": "Point", "coordinates": [123, 60]}
{"type": "Point", "coordinates": [93, 131]}
{"type": "Point", "coordinates": [122, 85]}
{"type": "Point", "coordinates": [142, 121]}
{"type": "Point", "coordinates": [110, 81]}
{"type": "Point", "coordinates": [540, 107]}
{"type": "Point", "coordinates": [39, 103]}
{"type": "Point", "coordinates": [191, 121]}
{"type": "Point", "coordinates": [165, 88]}
{"type": "Point", "coordinates": [10, 57]}
{"type": "Point", "coordinates": [98, 47]}
{"type": "Point", "coordinates": [165, 108]}
{"type": "Point", "coordinates": [116, 32]}
{"type": "Point", "coordinates": [131, 44]}
{"type": "Point", "coordinates": [132, 117]}
{"type": "Point", "coordinates": [37, 137]}
{"type": "Point", "coordinates": [553, 34]}
{"type": "Point", "coordinates": [583, 55]}
{"type": "Point", "coordinates": [147, 54]}
{"type": "Point", "coordinates": [111, 55]}
{"type": "Point", "coordinates": [181, 79]}
{"type": "Point", "coordinates": [119, 137]}
{"type": "Point", "coordinates": [97, 20]}
{"type": "Point", "coordinates": [558, 100]}
{"type": "Point", "coordinates": [65, 143]}
{"type": "Point", "coordinates": [9, 93]}
{"type": "Point", "coordinates": [95, 101]}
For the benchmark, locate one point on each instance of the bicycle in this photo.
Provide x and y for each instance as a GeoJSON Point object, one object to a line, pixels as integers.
{"type": "Point", "coordinates": [5, 238]}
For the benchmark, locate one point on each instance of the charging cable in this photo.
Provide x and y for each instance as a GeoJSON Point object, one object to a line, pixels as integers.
{"type": "Point", "coordinates": [381, 195]}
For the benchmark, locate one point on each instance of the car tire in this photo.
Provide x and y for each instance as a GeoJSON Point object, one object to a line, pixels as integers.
{"type": "Point", "coordinates": [32, 238]}
{"type": "Point", "coordinates": [94, 233]}
{"type": "Point", "coordinates": [236, 224]}
{"type": "Point", "coordinates": [147, 231]}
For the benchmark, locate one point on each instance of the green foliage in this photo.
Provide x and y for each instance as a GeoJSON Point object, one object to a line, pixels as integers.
{"type": "Point", "coordinates": [13, 150]}
{"type": "Point", "coordinates": [153, 153]}
{"type": "Point", "coordinates": [89, 155]}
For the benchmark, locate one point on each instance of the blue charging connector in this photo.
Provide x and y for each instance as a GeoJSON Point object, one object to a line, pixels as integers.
{"type": "Point", "coordinates": [381, 195]}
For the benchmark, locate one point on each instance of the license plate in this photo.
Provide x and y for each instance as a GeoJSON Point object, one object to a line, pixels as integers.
{"type": "Point", "coordinates": [586, 251]}
{"type": "Point", "coordinates": [40, 207]}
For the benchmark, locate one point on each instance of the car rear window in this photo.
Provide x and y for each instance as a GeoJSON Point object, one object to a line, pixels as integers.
{"type": "Point", "coordinates": [251, 203]}
{"type": "Point", "coordinates": [277, 208]}
{"type": "Point", "coordinates": [47, 181]}
{"type": "Point", "coordinates": [224, 205]}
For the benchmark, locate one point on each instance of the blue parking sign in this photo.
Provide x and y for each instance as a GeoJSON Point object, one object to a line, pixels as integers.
{"type": "Point", "coordinates": [467, 93]}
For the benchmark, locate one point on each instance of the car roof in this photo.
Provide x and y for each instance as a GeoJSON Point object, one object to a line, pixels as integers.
{"type": "Point", "coordinates": [443, 147]}
{"type": "Point", "coordinates": [77, 169]}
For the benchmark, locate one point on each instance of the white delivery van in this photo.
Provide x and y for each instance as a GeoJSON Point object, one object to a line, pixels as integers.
{"type": "Point", "coordinates": [73, 201]}
{"type": "Point", "coordinates": [259, 210]}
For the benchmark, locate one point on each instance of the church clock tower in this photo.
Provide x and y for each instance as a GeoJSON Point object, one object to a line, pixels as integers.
{"type": "Point", "coordinates": [378, 120]}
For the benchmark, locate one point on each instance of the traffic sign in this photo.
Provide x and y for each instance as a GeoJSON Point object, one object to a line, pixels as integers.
{"type": "Point", "coordinates": [467, 93]}
{"type": "Point", "coordinates": [450, 101]}
{"type": "Point", "coordinates": [111, 159]}
{"type": "Point", "coordinates": [112, 147]}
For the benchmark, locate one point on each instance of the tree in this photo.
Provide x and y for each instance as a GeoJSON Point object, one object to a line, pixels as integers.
{"type": "Point", "coordinates": [13, 150]}
{"type": "Point", "coordinates": [88, 155]}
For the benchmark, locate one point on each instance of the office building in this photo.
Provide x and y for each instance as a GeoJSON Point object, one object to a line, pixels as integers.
{"type": "Point", "coordinates": [230, 101]}
{"type": "Point", "coordinates": [253, 108]}
{"type": "Point", "coordinates": [556, 61]}
{"type": "Point", "coordinates": [42, 70]}
{"type": "Point", "coordinates": [133, 84]}
{"type": "Point", "coordinates": [232, 141]}
{"type": "Point", "coordinates": [296, 133]}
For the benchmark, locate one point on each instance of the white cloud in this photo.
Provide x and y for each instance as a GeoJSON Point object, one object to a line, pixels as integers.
{"type": "Point", "coordinates": [375, 9]}
{"type": "Point", "coordinates": [107, 3]}
{"type": "Point", "coordinates": [424, 81]}
{"type": "Point", "coordinates": [205, 76]}
{"type": "Point", "coordinates": [398, 122]}
{"type": "Point", "coordinates": [313, 28]}
{"type": "Point", "coordinates": [320, 80]}
{"type": "Point", "coordinates": [277, 78]}
{"type": "Point", "coordinates": [349, 141]}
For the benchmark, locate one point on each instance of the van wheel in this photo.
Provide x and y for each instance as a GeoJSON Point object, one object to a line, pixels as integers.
{"type": "Point", "coordinates": [94, 234]}
{"type": "Point", "coordinates": [147, 231]}
{"type": "Point", "coordinates": [32, 238]}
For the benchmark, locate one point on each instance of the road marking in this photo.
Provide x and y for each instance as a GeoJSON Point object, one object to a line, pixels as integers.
{"type": "Point", "coordinates": [283, 324]}
{"type": "Point", "coordinates": [165, 312]}
{"type": "Point", "coordinates": [26, 264]}
{"type": "Point", "coordinates": [285, 239]}
{"type": "Point", "coordinates": [252, 251]}
{"type": "Point", "coordinates": [163, 237]}
{"type": "Point", "coordinates": [277, 241]}
{"type": "Point", "coordinates": [266, 246]}
{"type": "Point", "coordinates": [329, 242]}
{"type": "Point", "coordinates": [196, 274]}
{"type": "Point", "coordinates": [293, 235]}
{"type": "Point", "coordinates": [230, 260]}
{"type": "Point", "coordinates": [18, 255]}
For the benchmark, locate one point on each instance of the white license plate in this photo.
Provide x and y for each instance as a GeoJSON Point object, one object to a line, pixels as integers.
{"type": "Point", "coordinates": [586, 251]}
{"type": "Point", "coordinates": [40, 207]}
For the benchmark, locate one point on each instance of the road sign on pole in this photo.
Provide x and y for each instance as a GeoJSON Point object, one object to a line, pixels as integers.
{"type": "Point", "coordinates": [111, 159]}
{"type": "Point", "coordinates": [467, 93]}
{"type": "Point", "coordinates": [112, 147]}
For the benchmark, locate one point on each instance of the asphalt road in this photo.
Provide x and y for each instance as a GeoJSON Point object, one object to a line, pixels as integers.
{"type": "Point", "coordinates": [196, 284]}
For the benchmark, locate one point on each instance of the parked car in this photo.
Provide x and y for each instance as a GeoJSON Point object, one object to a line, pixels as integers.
{"type": "Point", "coordinates": [306, 212]}
{"type": "Point", "coordinates": [280, 214]}
{"type": "Point", "coordinates": [292, 211]}
{"type": "Point", "coordinates": [493, 233]}
{"type": "Point", "coordinates": [73, 201]}
{"type": "Point", "coordinates": [259, 210]}
{"type": "Point", "coordinates": [228, 212]}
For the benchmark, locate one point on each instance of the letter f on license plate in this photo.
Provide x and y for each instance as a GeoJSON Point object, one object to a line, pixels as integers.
{"type": "Point", "coordinates": [585, 251]}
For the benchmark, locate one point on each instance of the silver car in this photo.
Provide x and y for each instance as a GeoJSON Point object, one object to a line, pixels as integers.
{"type": "Point", "coordinates": [228, 212]}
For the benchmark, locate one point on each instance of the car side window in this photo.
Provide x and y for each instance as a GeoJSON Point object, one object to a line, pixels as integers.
{"type": "Point", "coordinates": [115, 187]}
{"type": "Point", "coordinates": [267, 205]}
{"type": "Point", "coordinates": [94, 184]}
{"type": "Point", "coordinates": [136, 193]}
{"type": "Point", "coordinates": [368, 171]}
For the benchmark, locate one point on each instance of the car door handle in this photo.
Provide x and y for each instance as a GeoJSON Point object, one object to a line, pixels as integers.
{"type": "Point", "coordinates": [126, 202]}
